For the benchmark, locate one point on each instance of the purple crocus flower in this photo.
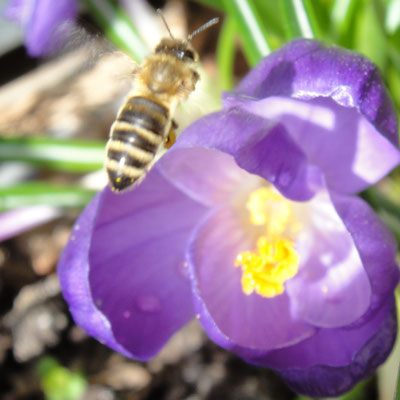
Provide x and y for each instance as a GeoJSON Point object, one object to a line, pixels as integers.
{"type": "Point", "coordinates": [45, 22]}
{"type": "Point", "coordinates": [250, 223]}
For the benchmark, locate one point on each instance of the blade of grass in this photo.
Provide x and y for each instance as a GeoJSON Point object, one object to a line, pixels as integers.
{"type": "Point", "coordinates": [226, 53]}
{"type": "Point", "coordinates": [343, 14]}
{"type": "Point", "coordinates": [41, 193]}
{"type": "Point", "coordinates": [61, 155]}
{"type": "Point", "coordinates": [117, 27]}
{"type": "Point", "coordinates": [272, 19]}
{"type": "Point", "coordinates": [301, 20]}
{"type": "Point", "coordinates": [392, 20]}
{"type": "Point", "coordinates": [369, 36]}
{"type": "Point", "coordinates": [250, 28]}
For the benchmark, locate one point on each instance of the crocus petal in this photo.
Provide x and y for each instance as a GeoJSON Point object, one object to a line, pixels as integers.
{"type": "Point", "coordinates": [307, 69]}
{"type": "Point", "coordinates": [331, 274]}
{"type": "Point", "coordinates": [136, 282]}
{"type": "Point", "coordinates": [333, 360]}
{"type": "Point", "coordinates": [15, 11]}
{"type": "Point", "coordinates": [207, 175]}
{"type": "Point", "coordinates": [375, 244]}
{"type": "Point", "coordinates": [258, 146]}
{"type": "Point", "coordinates": [73, 269]}
{"type": "Point", "coordinates": [45, 22]}
{"type": "Point", "coordinates": [339, 140]}
{"type": "Point", "coordinates": [17, 221]}
{"type": "Point", "coordinates": [231, 318]}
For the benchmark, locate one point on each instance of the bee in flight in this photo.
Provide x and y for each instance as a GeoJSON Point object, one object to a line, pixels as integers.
{"type": "Point", "coordinates": [144, 122]}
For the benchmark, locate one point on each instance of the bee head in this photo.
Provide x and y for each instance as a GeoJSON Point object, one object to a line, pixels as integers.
{"type": "Point", "coordinates": [180, 49]}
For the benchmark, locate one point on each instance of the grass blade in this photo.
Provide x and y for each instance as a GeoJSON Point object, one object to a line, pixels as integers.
{"type": "Point", "coordinates": [343, 17]}
{"type": "Point", "coordinates": [301, 20]}
{"type": "Point", "coordinates": [226, 53]}
{"type": "Point", "coordinates": [117, 27]}
{"type": "Point", "coordinates": [61, 155]}
{"type": "Point", "coordinates": [41, 193]}
{"type": "Point", "coordinates": [250, 28]}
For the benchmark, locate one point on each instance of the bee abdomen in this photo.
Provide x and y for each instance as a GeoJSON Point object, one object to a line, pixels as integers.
{"type": "Point", "coordinates": [134, 140]}
{"type": "Point", "coordinates": [145, 113]}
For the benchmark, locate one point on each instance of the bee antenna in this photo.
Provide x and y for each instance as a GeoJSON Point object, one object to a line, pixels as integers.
{"type": "Point", "coordinates": [165, 22]}
{"type": "Point", "coordinates": [211, 22]}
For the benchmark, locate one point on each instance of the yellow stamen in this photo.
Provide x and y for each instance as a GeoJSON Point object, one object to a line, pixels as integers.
{"type": "Point", "coordinates": [275, 260]}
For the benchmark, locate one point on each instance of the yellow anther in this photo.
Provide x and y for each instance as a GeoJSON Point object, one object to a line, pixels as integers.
{"type": "Point", "coordinates": [265, 270]}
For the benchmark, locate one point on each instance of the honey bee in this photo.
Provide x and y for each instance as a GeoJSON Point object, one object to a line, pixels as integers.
{"type": "Point", "coordinates": [144, 122]}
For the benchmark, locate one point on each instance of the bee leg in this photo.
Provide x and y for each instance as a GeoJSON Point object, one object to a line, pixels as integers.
{"type": "Point", "coordinates": [170, 139]}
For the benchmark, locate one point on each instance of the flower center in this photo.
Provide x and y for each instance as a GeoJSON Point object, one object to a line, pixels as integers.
{"type": "Point", "coordinates": [265, 269]}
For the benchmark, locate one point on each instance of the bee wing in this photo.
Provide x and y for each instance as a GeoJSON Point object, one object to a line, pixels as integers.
{"type": "Point", "coordinates": [96, 47]}
{"type": "Point", "coordinates": [76, 91]}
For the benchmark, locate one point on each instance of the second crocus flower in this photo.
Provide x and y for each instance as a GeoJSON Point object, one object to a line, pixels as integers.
{"type": "Point", "coordinates": [46, 23]}
{"type": "Point", "coordinates": [250, 223]}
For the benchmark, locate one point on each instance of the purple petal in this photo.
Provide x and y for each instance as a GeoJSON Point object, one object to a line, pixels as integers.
{"type": "Point", "coordinates": [19, 220]}
{"type": "Point", "coordinates": [73, 269]}
{"type": "Point", "coordinates": [328, 380]}
{"type": "Point", "coordinates": [231, 318]}
{"type": "Point", "coordinates": [331, 347]}
{"type": "Point", "coordinates": [258, 146]}
{"type": "Point", "coordinates": [375, 244]}
{"type": "Point", "coordinates": [306, 69]}
{"type": "Point", "coordinates": [132, 255]}
{"type": "Point", "coordinates": [46, 23]}
{"type": "Point", "coordinates": [18, 11]}
{"type": "Point", "coordinates": [331, 274]}
{"type": "Point", "coordinates": [206, 175]}
{"type": "Point", "coordinates": [339, 140]}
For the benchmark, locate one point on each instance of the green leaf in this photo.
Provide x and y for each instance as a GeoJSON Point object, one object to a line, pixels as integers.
{"type": "Point", "coordinates": [117, 27]}
{"type": "Point", "coordinates": [369, 37]}
{"type": "Point", "coordinates": [42, 193]}
{"type": "Point", "coordinates": [250, 28]}
{"type": "Point", "coordinates": [57, 382]}
{"type": "Point", "coordinates": [272, 18]}
{"type": "Point", "coordinates": [343, 17]}
{"type": "Point", "coordinates": [62, 155]}
{"type": "Point", "coordinates": [300, 19]}
{"type": "Point", "coordinates": [226, 53]}
{"type": "Point", "coordinates": [392, 20]}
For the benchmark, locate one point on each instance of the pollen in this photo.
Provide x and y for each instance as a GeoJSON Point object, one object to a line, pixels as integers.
{"type": "Point", "coordinates": [275, 260]}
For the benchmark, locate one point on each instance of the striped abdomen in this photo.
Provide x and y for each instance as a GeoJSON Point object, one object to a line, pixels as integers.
{"type": "Point", "coordinates": [135, 137]}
